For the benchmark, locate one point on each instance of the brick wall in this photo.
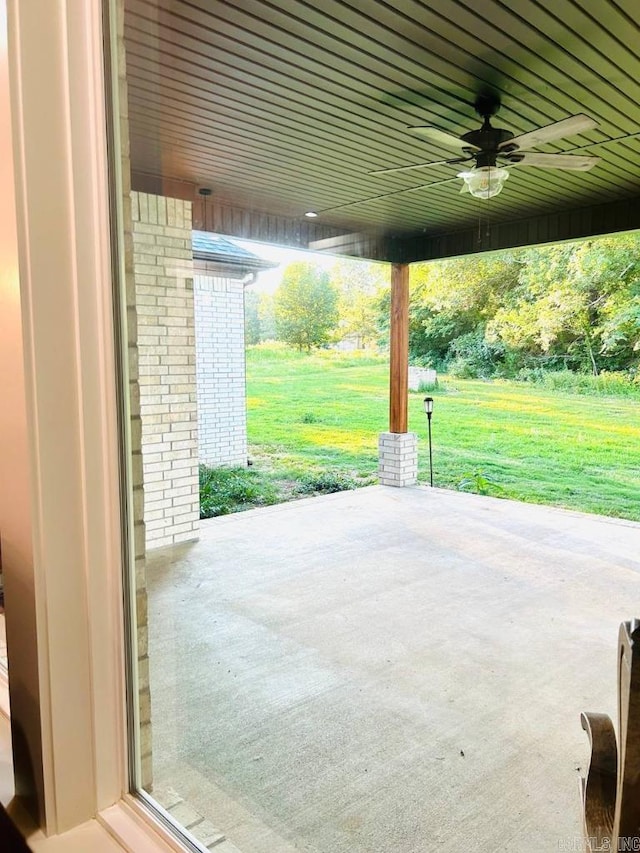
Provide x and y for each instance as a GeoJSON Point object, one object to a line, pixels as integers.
{"type": "Point", "coordinates": [139, 582]}
{"type": "Point", "coordinates": [166, 367]}
{"type": "Point", "coordinates": [222, 419]}
{"type": "Point", "coordinates": [398, 458]}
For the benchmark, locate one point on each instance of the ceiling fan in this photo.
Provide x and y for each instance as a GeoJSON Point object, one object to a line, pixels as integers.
{"type": "Point", "coordinates": [492, 149]}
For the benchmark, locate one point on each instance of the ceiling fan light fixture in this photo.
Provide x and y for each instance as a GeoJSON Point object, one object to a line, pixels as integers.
{"type": "Point", "coordinates": [484, 181]}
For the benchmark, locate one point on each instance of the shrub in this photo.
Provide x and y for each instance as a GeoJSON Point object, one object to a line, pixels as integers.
{"type": "Point", "coordinates": [535, 375]}
{"type": "Point", "coordinates": [325, 482]}
{"type": "Point", "coordinates": [479, 482]}
{"type": "Point", "coordinates": [224, 490]}
{"type": "Point", "coordinates": [352, 358]}
{"type": "Point", "coordinates": [423, 360]}
{"type": "Point", "coordinates": [462, 368]}
{"type": "Point", "coordinates": [615, 384]}
{"type": "Point", "coordinates": [472, 356]}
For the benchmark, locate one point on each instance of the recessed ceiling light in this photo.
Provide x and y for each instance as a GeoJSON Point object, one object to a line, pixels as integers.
{"type": "Point", "coordinates": [311, 214]}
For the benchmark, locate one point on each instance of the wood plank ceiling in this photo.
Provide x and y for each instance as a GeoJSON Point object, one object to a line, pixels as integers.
{"type": "Point", "coordinates": [284, 107]}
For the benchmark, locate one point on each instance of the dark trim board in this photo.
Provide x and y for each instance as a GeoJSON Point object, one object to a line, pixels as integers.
{"type": "Point", "coordinates": [234, 220]}
{"type": "Point", "coordinates": [593, 221]}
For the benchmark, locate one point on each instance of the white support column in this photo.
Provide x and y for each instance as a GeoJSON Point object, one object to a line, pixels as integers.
{"type": "Point", "coordinates": [398, 458]}
{"type": "Point", "coordinates": [166, 339]}
{"type": "Point", "coordinates": [398, 449]}
{"type": "Point", "coordinates": [220, 368]}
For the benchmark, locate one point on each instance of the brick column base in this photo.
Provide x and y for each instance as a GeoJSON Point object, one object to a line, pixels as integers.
{"type": "Point", "coordinates": [398, 458]}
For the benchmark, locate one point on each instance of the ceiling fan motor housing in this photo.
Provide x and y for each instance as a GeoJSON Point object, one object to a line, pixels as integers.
{"type": "Point", "coordinates": [488, 139]}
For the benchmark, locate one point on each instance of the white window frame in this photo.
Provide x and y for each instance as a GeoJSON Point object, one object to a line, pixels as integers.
{"type": "Point", "coordinates": [74, 582]}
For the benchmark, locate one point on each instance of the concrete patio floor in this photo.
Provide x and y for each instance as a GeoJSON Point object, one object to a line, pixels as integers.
{"type": "Point", "coordinates": [387, 670]}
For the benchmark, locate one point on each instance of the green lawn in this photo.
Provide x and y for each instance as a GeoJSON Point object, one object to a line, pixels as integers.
{"type": "Point", "coordinates": [324, 411]}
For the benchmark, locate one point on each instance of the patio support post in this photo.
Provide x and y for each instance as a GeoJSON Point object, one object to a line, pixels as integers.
{"type": "Point", "coordinates": [397, 449]}
{"type": "Point", "coordinates": [399, 348]}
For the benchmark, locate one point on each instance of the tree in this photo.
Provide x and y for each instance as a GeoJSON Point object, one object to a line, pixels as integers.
{"type": "Point", "coordinates": [452, 301]}
{"type": "Point", "coordinates": [259, 321]}
{"type": "Point", "coordinates": [359, 286]}
{"type": "Point", "coordinates": [251, 317]}
{"type": "Point", "coordinates": [306, 306]}
{"type": "Point", "coordinates": [609, 269]}
{"type": "Point", "coordinates": [543, 315]}
{"type": "Point", "coordinates": [572, 305]}
{"type": "Point", "coordinates": [576, 303]}
{"type": "Point", "coordinates": [266, 315]}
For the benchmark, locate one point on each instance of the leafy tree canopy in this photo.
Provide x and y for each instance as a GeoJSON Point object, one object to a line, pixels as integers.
{"type": "Point", "coordinates": [359, 286]}
{"type": "Point", "coordinates": [574, 305]}
{"type": "Point", "coordinates": [454, 299]}
{"type": "Point", "coordinates": [306, 306]}
{"type": "Point", "coordinates": [252, 331]}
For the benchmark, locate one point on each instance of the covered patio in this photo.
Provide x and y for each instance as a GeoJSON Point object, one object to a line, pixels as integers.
{"type": "Point", "coordinates": [386, 669]}
{"type": "Point", "coordinates": [380, 670]}
{"type": "Point", "coordinates": [383, 669]}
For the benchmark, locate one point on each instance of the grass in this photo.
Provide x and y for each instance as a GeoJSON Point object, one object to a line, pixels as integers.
{"type": "Point", "coordinates": [312, 414]}
{"type": "Point", "coordinates": [225, 489]}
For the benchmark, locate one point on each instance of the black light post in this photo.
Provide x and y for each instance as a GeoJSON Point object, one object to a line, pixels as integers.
{"type": "Point", "coordinates": [428, 410]}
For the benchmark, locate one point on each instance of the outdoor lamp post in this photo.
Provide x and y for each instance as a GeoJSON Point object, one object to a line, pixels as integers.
{"type": "Point", "coordinates": [428, 410]}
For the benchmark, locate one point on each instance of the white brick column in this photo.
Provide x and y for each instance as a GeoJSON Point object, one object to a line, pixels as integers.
{"type": "Point", "coordinates": [398, 458]}
{"type": "Point", "coordinates": [163, 264]}
{"type": "Point", "coordinates": [222, 407]}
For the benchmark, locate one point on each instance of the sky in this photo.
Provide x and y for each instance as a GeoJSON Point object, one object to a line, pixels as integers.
{"type": "Point", "coordinates": [269, 280]}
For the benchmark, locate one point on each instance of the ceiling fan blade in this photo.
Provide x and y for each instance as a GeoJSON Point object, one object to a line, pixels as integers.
{"type": "Point", "coordinates": [559, 161]}
{"type": "Point", "coordinates": [440, 137]}
{"type": "Point", "coordinates": [418, 166]}
{"type": "Point", "coordinates": [558, 130]}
